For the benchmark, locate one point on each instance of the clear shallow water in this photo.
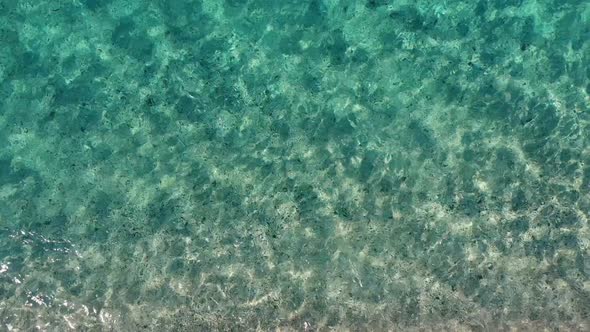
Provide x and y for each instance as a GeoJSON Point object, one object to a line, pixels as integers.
{"type": "Point", "coordinates": [360, 165]}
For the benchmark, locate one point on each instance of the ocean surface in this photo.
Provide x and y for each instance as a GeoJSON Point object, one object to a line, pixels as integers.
{"type": "Point", "coordinates": [318, 165]}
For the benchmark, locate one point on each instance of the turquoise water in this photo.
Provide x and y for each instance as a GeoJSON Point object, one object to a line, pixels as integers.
{"type": "Point", "coordinates": [294, 165]}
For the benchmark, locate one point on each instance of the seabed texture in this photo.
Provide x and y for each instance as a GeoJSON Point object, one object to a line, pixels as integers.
{"type": "Point", "coordinates": [294, 165]}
